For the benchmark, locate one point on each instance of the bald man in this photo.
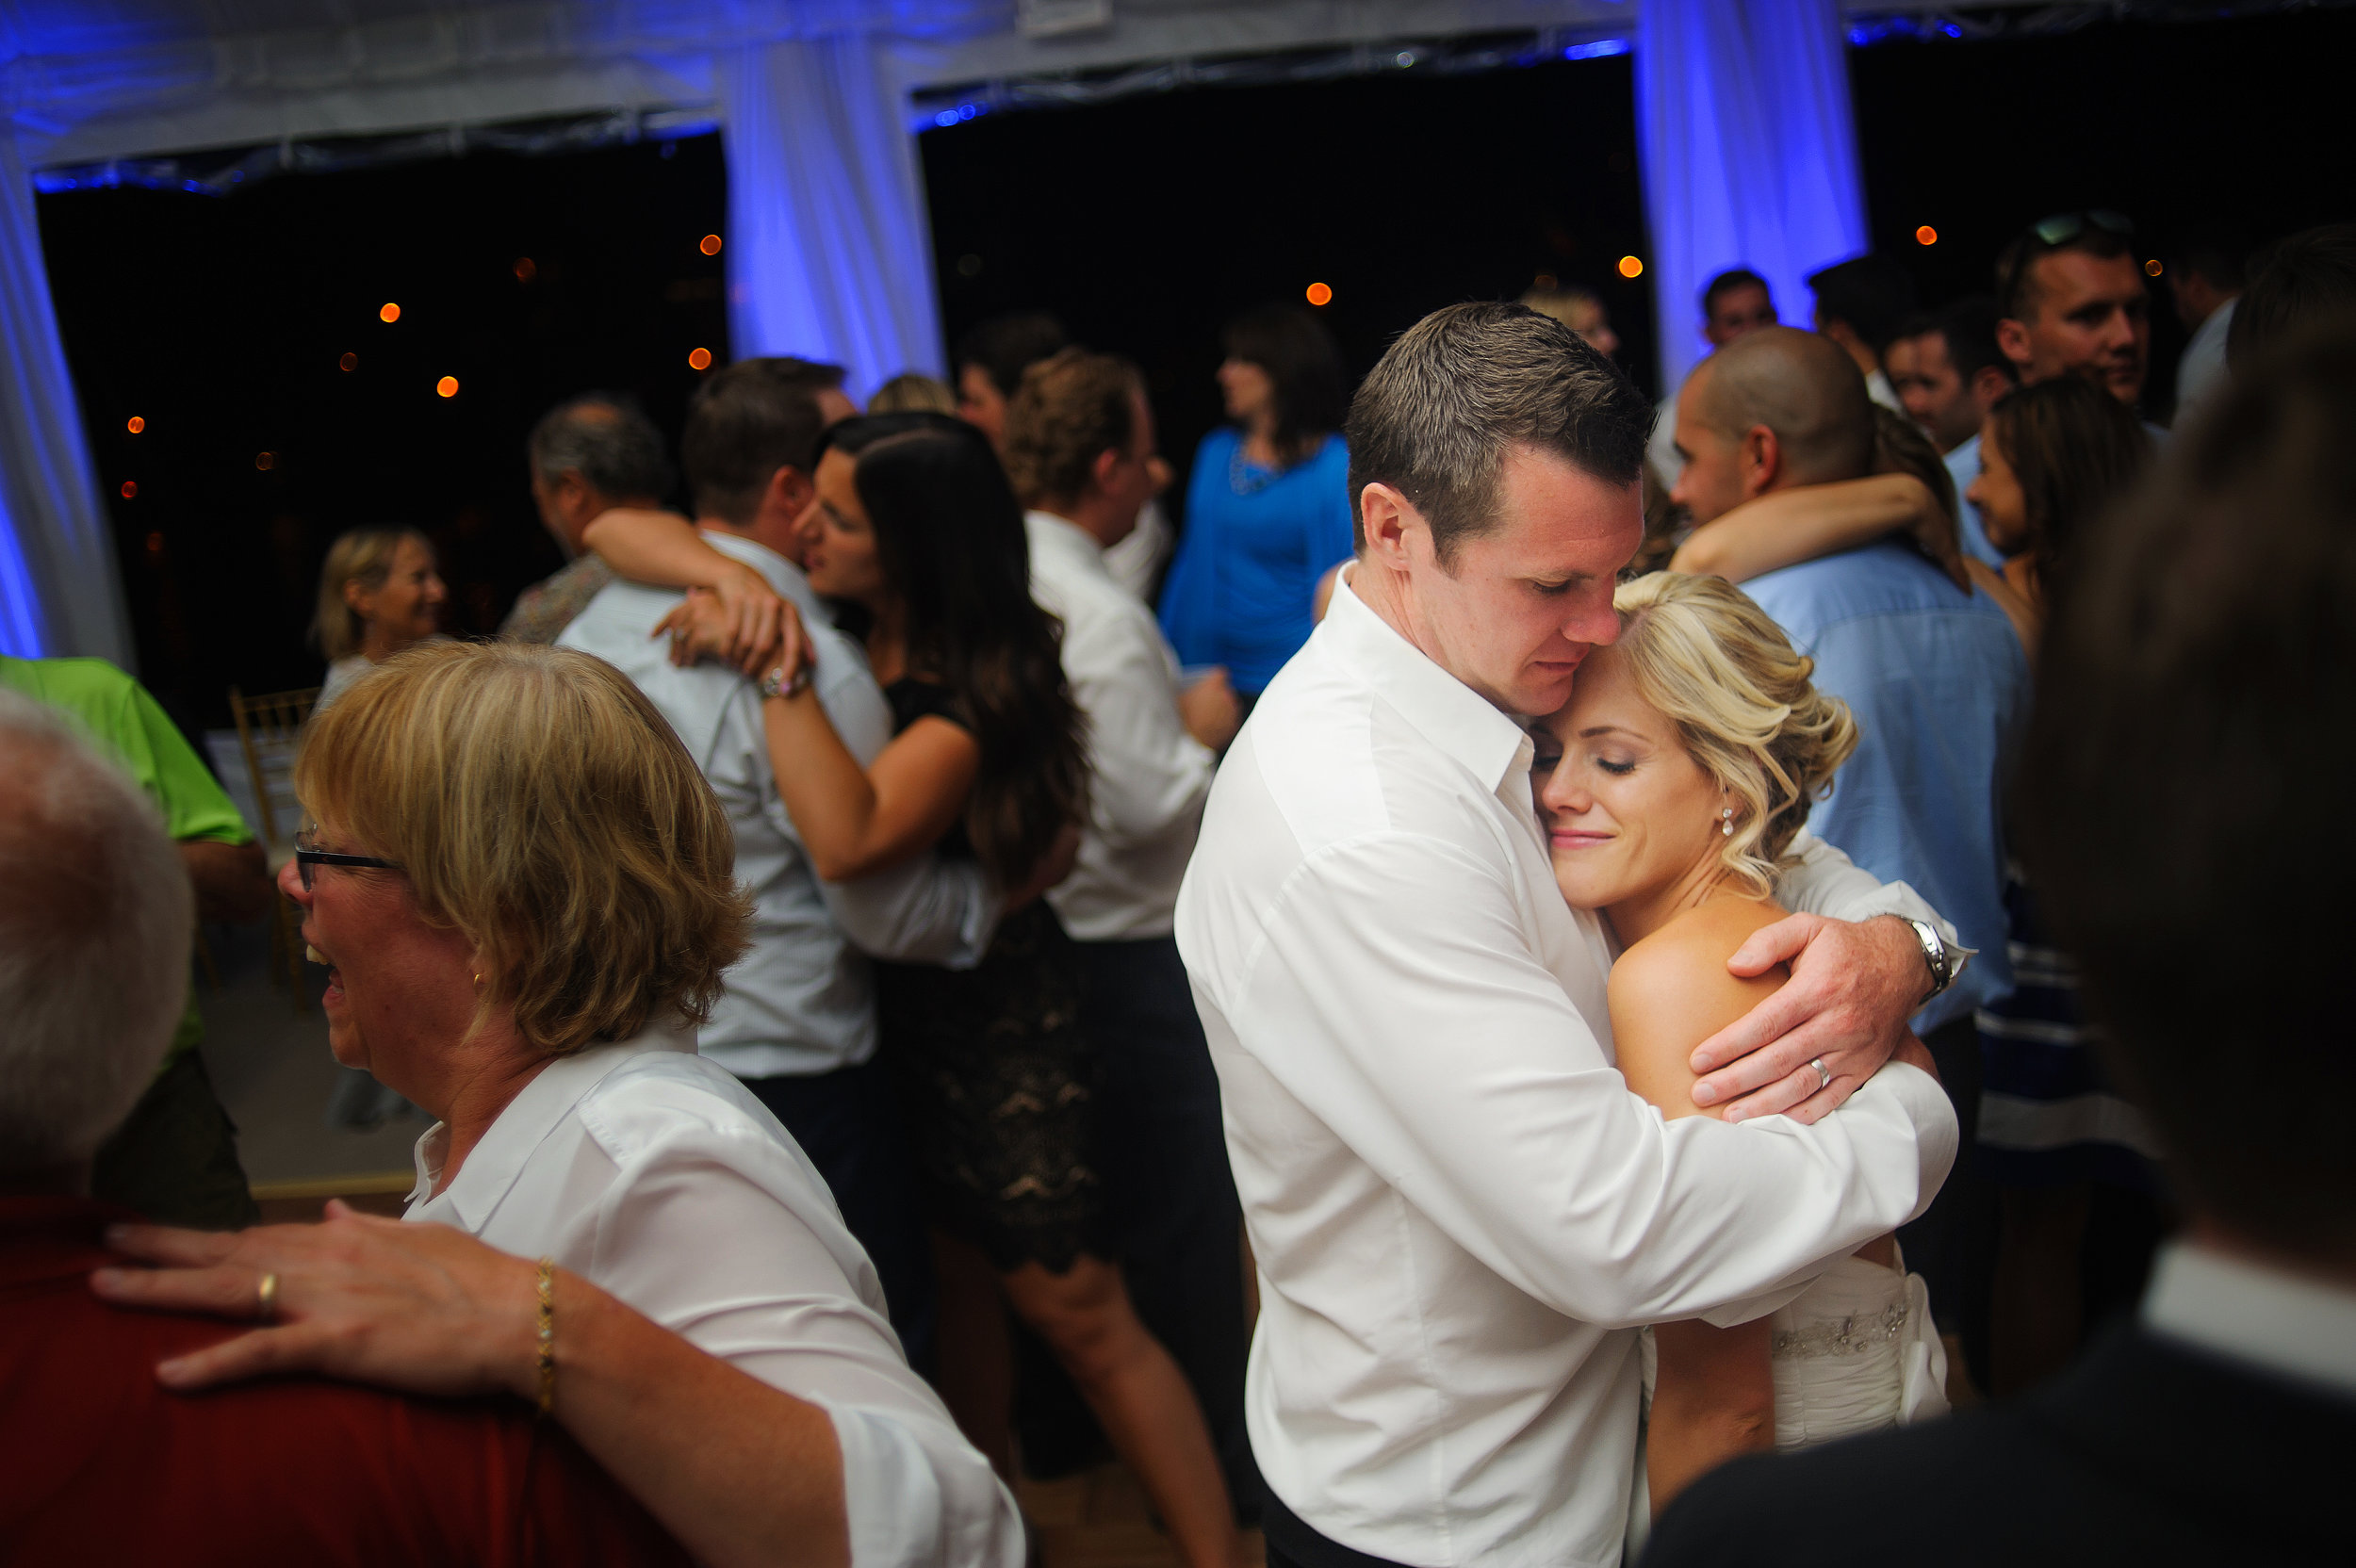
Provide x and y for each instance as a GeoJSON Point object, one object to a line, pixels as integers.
{"type": "Point", "coordinates": [1934, 676]}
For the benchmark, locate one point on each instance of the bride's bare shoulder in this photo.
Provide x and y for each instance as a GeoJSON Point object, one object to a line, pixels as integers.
{"type": "Point", "coordinates": [1697, 944]}
{"type": "Point", "coordinates": [1671, 992]}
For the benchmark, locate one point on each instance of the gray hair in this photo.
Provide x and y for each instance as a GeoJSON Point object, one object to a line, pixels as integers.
{"type": "Point", "coordinates": [603, 437]}
{"type": "Point", "coordinates": [1434, 417]}
{"type": "Point", "coordinates": [94, 935]}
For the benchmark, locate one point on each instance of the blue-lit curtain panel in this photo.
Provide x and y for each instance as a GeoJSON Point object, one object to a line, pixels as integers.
{"type": "Point", "coordinates": [1748, 151]}
{"type": "Point", "coordinates": [830, 257]}
{"type": "Point", "coordinates": [58, 593]}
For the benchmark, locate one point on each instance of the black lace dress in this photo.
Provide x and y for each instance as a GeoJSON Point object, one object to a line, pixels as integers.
{"type": "Point", "coordinates": [997, 1076]}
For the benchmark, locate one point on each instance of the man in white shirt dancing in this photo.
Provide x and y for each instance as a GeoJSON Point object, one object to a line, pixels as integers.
{"type": "Point", "coordinates": [1079, 440]}
{"type": "Point", "coordinates": [1459, 1212]}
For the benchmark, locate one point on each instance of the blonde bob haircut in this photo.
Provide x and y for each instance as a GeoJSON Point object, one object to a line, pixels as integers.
{"type": "Point", "coordinates": [1715, 666]}
{"type": "Point", "coordinates": [539, 805]}
{"type": "Point", "coordinates": [364, 556]}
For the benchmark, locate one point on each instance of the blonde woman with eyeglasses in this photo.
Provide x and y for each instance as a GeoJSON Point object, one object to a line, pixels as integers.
{"type": "Point", "coordinates": [1672, 788]}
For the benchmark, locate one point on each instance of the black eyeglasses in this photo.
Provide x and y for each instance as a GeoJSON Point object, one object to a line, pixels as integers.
{"type": "Point", "coordinates": [2063, 228]}
{"type": "Point", "coordinates": [306, 857]}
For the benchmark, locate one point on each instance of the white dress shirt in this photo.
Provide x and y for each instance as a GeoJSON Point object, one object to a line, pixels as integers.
{"type": "Point", "coordinates": [1878, 388]}
{"type": "Point", "coordinates": [1459, 1211]}
{"type": "Point", "coordinates": [1147, 777]}
{"type": "Point", "coordinates": [654, 1174]}
{"type": "Point", "coordinates": [1136, 560]}
{"type": "Point", "coordinates": [2292, 1327]}
{"type": "Point", "coordinates": [2202, 371]}
{"type": "Point", "coordinates": [801, 1002]}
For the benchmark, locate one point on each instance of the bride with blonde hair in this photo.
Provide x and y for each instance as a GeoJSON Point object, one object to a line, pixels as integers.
{"type": "Point", "coordinates": [1672, 788]}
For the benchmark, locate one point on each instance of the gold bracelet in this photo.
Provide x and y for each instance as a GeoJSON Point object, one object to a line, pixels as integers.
{"type": "Point", "coordinates": [547, 1335]}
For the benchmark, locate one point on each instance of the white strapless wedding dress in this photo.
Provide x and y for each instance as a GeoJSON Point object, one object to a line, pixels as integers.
{"type": "Point", "coordinates": [1854, 1352]}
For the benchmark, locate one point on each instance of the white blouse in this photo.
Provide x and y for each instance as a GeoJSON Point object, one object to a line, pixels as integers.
{"type": "Point", "coordinates": [651, 1171]}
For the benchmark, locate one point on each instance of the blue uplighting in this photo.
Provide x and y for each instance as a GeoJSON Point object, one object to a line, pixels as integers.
{"type": "Point", "coordinates": [1596, 50]}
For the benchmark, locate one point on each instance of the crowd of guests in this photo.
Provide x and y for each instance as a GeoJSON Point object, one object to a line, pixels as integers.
{"type": "Point", "coordinates": [888, 949]}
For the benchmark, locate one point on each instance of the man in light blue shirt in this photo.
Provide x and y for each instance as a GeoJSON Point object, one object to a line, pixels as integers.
{"type": "Point", "coordinates": [1934, 676]}
{"type": "Point", "coordinates": [797, 1022]}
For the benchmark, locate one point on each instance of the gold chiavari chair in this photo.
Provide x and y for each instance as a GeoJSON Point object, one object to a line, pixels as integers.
{"type": "Point", "coordinates": [269, 728]}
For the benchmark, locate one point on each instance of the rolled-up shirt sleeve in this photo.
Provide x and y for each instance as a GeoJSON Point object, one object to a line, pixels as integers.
{"type": "Point", "coordinates": [1468, 1078]}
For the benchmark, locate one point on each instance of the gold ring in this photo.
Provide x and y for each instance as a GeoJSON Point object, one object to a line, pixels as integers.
{"type": "Point", "coordinates": [266, 1306]}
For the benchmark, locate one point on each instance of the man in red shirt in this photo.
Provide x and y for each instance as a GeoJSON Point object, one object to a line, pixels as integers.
{"type": "Point", "coordinates": [98, 1461]}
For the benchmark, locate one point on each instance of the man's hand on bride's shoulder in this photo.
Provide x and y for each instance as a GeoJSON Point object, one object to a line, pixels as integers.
{"type": "Point", "coordinates": [1804, 1050]}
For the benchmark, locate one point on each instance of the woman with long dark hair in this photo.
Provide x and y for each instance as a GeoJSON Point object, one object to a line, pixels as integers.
{"type": "Point", "coordinates": [916, 527]}
{"type": "Point", "coordinates": [1269, 509]}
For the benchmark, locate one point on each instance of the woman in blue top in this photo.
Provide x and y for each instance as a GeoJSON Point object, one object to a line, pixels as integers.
{"type": "Point", "coordinates": [1267, 510]}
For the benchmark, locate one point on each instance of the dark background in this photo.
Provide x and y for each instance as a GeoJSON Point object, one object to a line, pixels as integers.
{"type": "Point", "coordinates": [1144, 223]}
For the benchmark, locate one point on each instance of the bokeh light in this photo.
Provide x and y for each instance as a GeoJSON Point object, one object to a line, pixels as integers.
{"type": "Point", "coordinates": [711, 245]}
{"type": "Point", "coordinates": [699, 359]}
{"type": "Point", "coordinates": [349, 362]}
{"type": "Point", "coordinates": [135, 424]}
{"type": "Point", "coordinates": [155, 544]}
{"type": "Point", "coordinates": [130, 488]}
{"type": "Point", "coordinates": [390, 314]}
{"type": "Point", "coordinates": [447, 386]}
{"type": "Point", "coordinates": [2151, 268]}
{"type": "Point", "coordinates": [1320, 294]}
{"type": "Point", "coordinates": [1632, 267]}
{"type": "Point", "coordinates": [1926, 235]}
{"type": "Point", "coordinates": [265, 461]}
{"type": "Point", "coordinates": [525, 269]}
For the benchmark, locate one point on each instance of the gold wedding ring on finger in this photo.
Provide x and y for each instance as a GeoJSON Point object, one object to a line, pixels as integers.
{"type": "Point", "coordinates": [1824, 1074]}
{"type": "Point", "coordinates": [266, 1300]}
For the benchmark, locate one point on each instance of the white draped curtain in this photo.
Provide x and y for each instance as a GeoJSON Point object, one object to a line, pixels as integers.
{"type": "Point", "coordinates": [829, 253]}
{"type": "Point", "coordinates": [59, 593]}
{"type": "Point", "coordinates": [1748, 151]}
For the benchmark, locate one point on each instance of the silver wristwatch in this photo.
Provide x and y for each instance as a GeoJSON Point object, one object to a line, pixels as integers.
{"type": "Point", "coordinates": [1943, 959]}
{"type": "Point", "coordinates": [774, 683]}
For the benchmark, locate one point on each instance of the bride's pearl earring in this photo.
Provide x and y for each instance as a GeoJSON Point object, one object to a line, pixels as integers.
{"type": "Point", "coordinates": [1726, 822]}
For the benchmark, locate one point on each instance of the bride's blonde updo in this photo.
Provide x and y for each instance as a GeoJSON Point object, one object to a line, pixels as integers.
{"type": "Point", "coordinates": [1713, 663]}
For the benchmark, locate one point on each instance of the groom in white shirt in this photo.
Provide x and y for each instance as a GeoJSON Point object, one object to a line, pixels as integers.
{"type": "Point", "coordinates": [1459, 1212]}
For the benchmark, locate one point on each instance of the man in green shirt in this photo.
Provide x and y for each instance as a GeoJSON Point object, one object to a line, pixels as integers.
{"type": "Point", "coordinates": [175, 1159]}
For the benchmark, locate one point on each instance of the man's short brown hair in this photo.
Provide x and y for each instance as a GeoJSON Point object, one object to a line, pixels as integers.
{"type": "Point", "coordinates": [1434, 419]}
{"type": "Point", "coordinates": [1072, 408]}
{"type": "Point", "coordinates": [745, 423]}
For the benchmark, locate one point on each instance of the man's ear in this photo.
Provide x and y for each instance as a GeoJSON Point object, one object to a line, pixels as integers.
{"type": "Point", "coordinates": [1100, 471]}
{"type": "Point", "coordinates": [1385, 518]}
{"type": "Point", "coordinates": [790, 492]}
{"type": "Point", "coordinates": [1988, 384]}
{"type": "Point", "coordinates": [2013, 338]}
{"type": "Point", "coordinates": [1761, 457]}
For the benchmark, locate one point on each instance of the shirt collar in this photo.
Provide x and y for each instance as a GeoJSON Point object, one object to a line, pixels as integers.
{"type": "Point", "coordinates": [495, 1163]}
{"type": "Point", "coordinates": [785, 577]}
{"type": "Point", "coordinates": [2286, 1323]}
{"type": "Point", "coordinates": [1067, 540]}
{"type": "Point", "coordinates": [1448, 713]}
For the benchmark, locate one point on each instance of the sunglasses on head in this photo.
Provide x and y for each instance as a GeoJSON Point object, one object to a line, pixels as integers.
{"type": "Point", "coordinates": [2063, 228]}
